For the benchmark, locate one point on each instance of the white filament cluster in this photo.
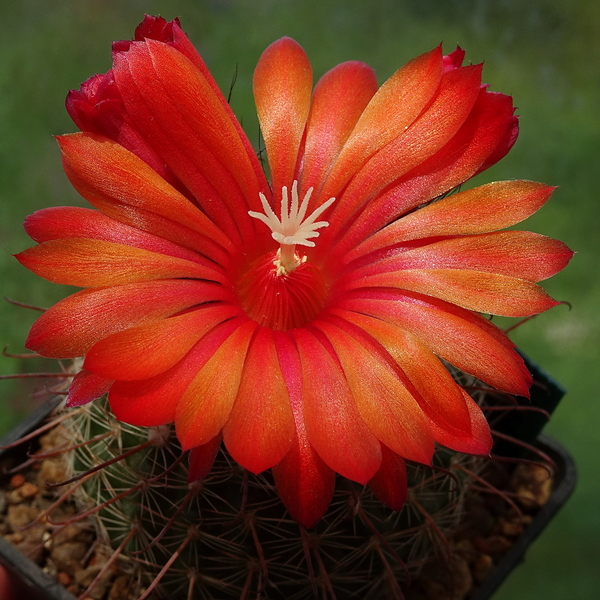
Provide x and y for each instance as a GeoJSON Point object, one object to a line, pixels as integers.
{"type": "Point", "coordinates": [293, 228]}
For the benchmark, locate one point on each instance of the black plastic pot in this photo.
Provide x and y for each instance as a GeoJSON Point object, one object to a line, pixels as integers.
{"type": "Point", "coordinates": [34, 584]}
{"type": "Point", "coordinates": [526, 426]}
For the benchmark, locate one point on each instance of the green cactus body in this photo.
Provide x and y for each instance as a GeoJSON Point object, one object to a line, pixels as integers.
{"type": "Point", "coordinates": [229, 536]}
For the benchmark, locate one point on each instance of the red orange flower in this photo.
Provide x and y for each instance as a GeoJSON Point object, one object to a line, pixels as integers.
{"type": "Point", "coordinates": [301, 321]}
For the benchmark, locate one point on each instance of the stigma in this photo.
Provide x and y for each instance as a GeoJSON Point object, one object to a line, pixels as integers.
{"type": "Point", "coordinates": [294, 228]}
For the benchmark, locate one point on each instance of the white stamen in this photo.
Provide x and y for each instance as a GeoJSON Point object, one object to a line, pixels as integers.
{"type": "Point", "coordinates": [293, 228]}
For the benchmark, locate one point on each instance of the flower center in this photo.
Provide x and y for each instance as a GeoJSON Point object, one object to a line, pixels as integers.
{"type": "Point", "coordinates": [281, 290]}
{"type": "Point", "coordinates": [282, 301]}
{"type": "Point", "coordinates": [292, 228]}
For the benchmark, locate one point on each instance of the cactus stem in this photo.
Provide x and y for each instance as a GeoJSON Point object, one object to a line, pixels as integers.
{"type": "Point", "coordinates": [192, 533]}
{"type": "Point", "coordinates": [531, 449]}
{"type": "Point", "coordinates": [24, 355]}
{"type": "Point", "coordinates": [549, 468]}
{"type": "Point", "coordinates": [518, 324]}
{"type": "Point", "coordinates": [105, 464]}
{"type": "Point", "coordinates": [395, 588]}
{"type": "Point", "coordinates": [261, 555]}
{"type": "Point", "coordinates": [247, 583]}
{"type": "Point", "coordinates": [244, 500]}
{"type": "Point", "coordinates": [227, 535]}
{"type": "Point", "coordinates": [169, 469]}
{"type": "Point", "coordinates": [449, 474]}
{"type": "Point", "coordinates": [23, 305]}
{"type": "Point", "coordinates": [323, 570]}
{"type": "Point", "coordinates": [193, 577]}
{"type": "Point", "coordinates": [504, 410]}
{"type": "Point", "coordinates": [433, 525]}
{"type": "Point", "coordinates": [193, 491]}
{"type": "Point", "coordinates": [40, 375]}
{"type": "Point", "coordinates": [22, 466]}
{"type": "Point", "coordinates": [309, 565]}
{"type": "Point", "coordinates": [479, 386]}
{"type": "Point", "coordinates": [382, 540]}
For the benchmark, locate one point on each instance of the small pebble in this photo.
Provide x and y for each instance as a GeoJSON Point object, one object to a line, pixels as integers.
{"type": "Point", "coordinates": [51, 471]}
{"type": "Point", "coordinates": [533, 485]}
{"type": "Point", "coordinates": [28, 490]}
{"type": "Point", "coordinates": [511, 528]}
{"type": "Point", "coordinates": [68, 556]}
{"type": "Point", "coordinates": [64, 579]}
{"type": "Point", "coordinates": [494, 544]}
{"type": "Point", "coordinates": [20, 515]}
{"type": "Point", "coordinates": [119, 588]}
{"type": "Point", "coordinates": [16, 481]}
{"type": "Point", "coordinates": [482, 566]}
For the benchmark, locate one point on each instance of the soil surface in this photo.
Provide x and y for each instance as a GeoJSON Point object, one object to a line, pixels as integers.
{"type": "Point", "coordinates": [68, 551]}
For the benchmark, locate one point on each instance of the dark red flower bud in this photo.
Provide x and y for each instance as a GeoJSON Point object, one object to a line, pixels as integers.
{"type": "Point", "coordinates": [97, 105]}
{"type": "Point", "coordinates": [454, 60]}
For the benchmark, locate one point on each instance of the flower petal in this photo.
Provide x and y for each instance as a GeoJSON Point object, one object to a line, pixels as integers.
{"type": "Point", "coordinates": [439, 397]}
{"type": "Point", "coordinates": [206, 404]}
{"type": "Point", "coordinates": [304, 482]}
{"type": "Point", "coordinates": [339, 99]}
{"type": "Point", "coordinates": [389, 484]}
{"type": "Point", "coordinates": [153, 402]}
{"type": "Point", "coordinates": [386, 405]}
{"type": "Point", "coordinates": [185, 120]}
{"type": "Point", "coordinates": [74, 222]}
{"type": "Point", "coordinates": [282, 89]}
{"type": "Point", "coordinates": [462, 157]}
{"type": "Point", "coordinates": [201, 459]}
{"type": "Point", "coordinates": [455, 419]}
{"type": "Point", "coordinates": [396, 105]}
{"type": "Point", "coordinates": [147, 350]}
{"type": "Point", "coordinates": [437, 125]}
{"type": "Point", "coordinates": [104, 172]}
{"type": "Point", "coordinates": [479, 210]}
{"type": "Point", "coordinates": [260, 428]}
{"type": "Point", "coordinates": [96, 263]}
{"type": "Point", "coordinates": [463, 338]}
{"type": "Point", "coordinates": [97, 107]}
{"type": "Point", "coordinates": [86, 387]}
{"type": "Point", "coordinates": [519, 254]}
{"type": "Point", "coordinates": [148, 221]}
{"type": "Point", "coordinates": [474, 290]}
{"type": "Point", "coordinates": [73, 325]}
{"type": "Point", "coordinates": [478, 442]}
{"type": "Point", "coordinates": [335, 428]}
{"type": "Point", "coordinates": [170, 32]}
{"type": "Point", "coordinates": [511, 129]}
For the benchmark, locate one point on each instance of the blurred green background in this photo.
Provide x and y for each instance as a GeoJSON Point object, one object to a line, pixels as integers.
{"type": "Point", "coordinates": [544, 52]}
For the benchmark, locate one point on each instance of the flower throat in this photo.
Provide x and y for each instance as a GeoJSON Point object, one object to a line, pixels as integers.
{"type": "Point", "coordinates": [281, 290]}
